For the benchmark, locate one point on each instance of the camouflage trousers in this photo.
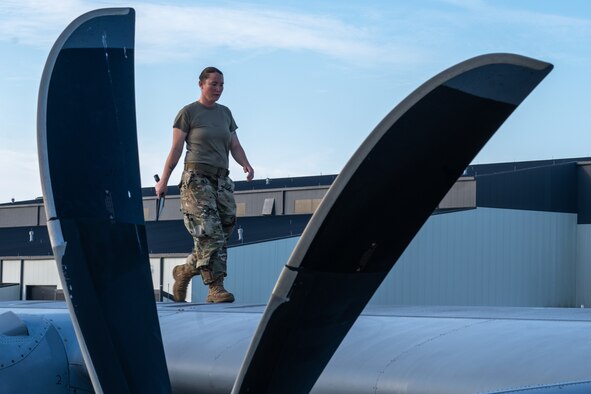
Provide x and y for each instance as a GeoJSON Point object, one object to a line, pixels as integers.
{"type": "Point", "coordinates": [209, 213]}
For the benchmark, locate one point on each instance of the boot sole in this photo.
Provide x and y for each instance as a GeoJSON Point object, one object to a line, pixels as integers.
{"type": "Point", "coordinates": [228, 299]}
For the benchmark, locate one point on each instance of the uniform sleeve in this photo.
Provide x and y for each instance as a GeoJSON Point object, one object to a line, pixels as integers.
{"type": "Point", "coordinates": [182, 120]}
{"type": "Point", "coordinates": [233, 125]}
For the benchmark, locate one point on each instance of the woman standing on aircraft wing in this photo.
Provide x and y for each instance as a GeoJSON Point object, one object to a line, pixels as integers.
{"type": "Point", "coordinates": [207, 198]}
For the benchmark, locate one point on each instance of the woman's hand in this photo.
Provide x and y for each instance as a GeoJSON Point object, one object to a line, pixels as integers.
{"type": "Point", "coordinates": [249, 171]}
{"type": "Point", "coordinates": [161, 189]}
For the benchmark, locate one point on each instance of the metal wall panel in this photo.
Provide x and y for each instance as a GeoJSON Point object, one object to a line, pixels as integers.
{"type": "Point", "coordinates": [487, 257]}
{"type": "Point", "coordinates": [155, 269]}
{"type": "Point", "coordinates": [494, 168]}
{"type": "Point", "coordinates": [42, 215]}
{"type": "Point", "coordinates": [584, 193]}
{"type": "Point", "coordinates": [18, 216]}
{"type": "Point", "coordinates": [255, 200]}
{"type": "Point", "coordinates": [41, 272]}
{"type": "Point", "coordinates": [461, 195]}
{"type": "Point", "coordinates": [9, 292]}
{"type": "Point", "coordinates": [583, 280]}
{"type": "Point", "coordinates": [284, 183]}
{"type": "Point", "coordinates": [11, 271]}
{"type": "Point", "coordinates": [171, 211]}
{"type": "Point", "coordinates": [17, 242]}
{"type": "Point", "coordinates": [292, 195]}
{"type": "Point", "coordinates": [478, 257]}
{"type": "Point", "coordinates": [171, 237]}
{"type": "Point", "coordinates": [552, 189]}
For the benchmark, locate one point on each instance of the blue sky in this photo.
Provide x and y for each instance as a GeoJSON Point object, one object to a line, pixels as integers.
{"type": "Point", "coordinates": [306, 80]}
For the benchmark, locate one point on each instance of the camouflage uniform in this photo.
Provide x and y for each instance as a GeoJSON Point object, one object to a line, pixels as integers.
{"type": "Point", "coordinates": [209, 212]}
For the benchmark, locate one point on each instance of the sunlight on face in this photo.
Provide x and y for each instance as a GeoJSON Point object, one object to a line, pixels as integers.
{"type": "Point", "coordinates": [211, 88]}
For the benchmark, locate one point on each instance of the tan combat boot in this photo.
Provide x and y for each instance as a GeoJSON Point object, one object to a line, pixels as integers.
{"type": "Point", "coordinates": [216, 293]}
{"type": "Point", "coordinates": [182, 275]}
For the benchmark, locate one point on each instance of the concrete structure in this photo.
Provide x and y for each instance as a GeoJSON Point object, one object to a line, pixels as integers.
{"type": "Point", "coordinates": [509, 234]}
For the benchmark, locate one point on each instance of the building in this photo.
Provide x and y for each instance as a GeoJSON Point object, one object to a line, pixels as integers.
{"type": "Point", "coordinates": [507, 234]}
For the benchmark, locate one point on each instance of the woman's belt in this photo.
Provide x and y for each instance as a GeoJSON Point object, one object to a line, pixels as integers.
{"type": "Point", "coordinates": [206, 169]}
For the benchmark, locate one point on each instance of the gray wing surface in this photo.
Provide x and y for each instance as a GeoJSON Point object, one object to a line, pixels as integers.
{"type": "Point", "coordinates": [413, 156]}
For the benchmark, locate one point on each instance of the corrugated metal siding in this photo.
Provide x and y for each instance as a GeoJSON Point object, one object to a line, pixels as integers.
{"type": "Point", "coordinates": [155, 269]}
{"type": "Point", "coordinates": [171, 211]}
{"type": "Point", "coordinates": [40, 272]}
{"type": "Point", "coordinates": [168, 237]}
{"type": "Point", "coordinates": [583, 281]}
{"type": "Point", "coordinates": [461, 195]}
{"type": "Point", "coordinates": [12, 216]}
{"type": "Point", "coordinates": [42, 216]}
{"type": "Point", "coordinates": [10, 293]}
{"type": "Point", "coordinates": [478, 257]}
{"type": "Point", "coordinates": [487, 257]}
{"type": "Point", "coordinates": [254, 201]}
{"type": "Point", "coordinates": [292, 195]}
{"type": "Point", "coordinates": [493, 168]}
{"type": "Point", "coordinates": [16, 242]}
{"type": "Point", "coordinates": [552, 189]}
{"type": "Point", "coordinates": [584, 193]}
{"type": "Point", "coordinates": [11, 271]}
{"type": "Point", "coordinates": [277, 183]}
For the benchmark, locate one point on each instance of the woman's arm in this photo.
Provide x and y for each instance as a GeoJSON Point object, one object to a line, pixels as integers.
{"type": "Point", "coordinates": [178, 142]}
{"type": "Point", "coordinates": [240, 156]}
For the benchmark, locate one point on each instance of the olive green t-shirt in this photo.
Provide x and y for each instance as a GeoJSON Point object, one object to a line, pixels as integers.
{"type": "Point", "coordinates": [209, 132]}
